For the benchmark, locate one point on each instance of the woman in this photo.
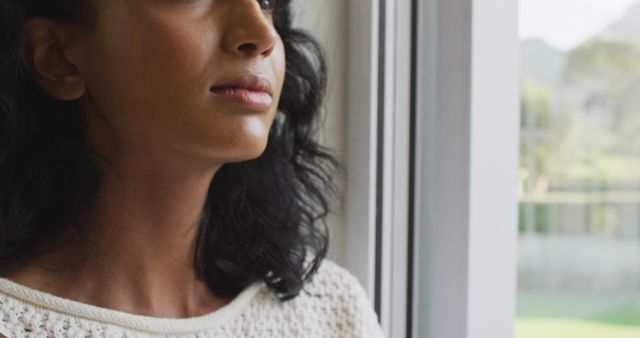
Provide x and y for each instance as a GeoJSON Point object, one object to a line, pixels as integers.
{"type": "Point", "coordinates": [158, 175]}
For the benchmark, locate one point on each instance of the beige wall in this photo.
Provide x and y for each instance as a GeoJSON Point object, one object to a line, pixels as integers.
{"type": "Point", "coordinates": [327, 19]}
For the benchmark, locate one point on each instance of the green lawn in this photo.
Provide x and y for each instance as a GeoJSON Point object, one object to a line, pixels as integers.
{"type": "Point", "coordinates": [577, 316]}
{"type": "Point", "coordinates": [567, 328]}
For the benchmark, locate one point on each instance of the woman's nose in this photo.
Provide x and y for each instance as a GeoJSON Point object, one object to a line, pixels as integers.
{"type": "Point", "coordinates": [249, 30]}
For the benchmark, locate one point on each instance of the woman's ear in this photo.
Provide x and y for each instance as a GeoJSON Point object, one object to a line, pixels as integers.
{"type": "Point", "coordinates": [47, 49]}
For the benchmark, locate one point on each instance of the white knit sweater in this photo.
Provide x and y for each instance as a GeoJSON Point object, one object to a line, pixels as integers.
{"type": "Point", "coordinates": [333, 304]}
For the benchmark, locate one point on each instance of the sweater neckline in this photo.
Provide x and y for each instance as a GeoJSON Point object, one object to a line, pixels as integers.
{"type": "Point", "coordinates": [150, 324]}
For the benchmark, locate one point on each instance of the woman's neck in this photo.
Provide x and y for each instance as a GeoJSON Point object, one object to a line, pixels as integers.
{"type": "Point", "coordinates": [141, 259]}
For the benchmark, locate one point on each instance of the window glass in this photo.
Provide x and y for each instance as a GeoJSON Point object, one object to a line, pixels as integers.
{"type": "Point", "coordinates": [579, 176]}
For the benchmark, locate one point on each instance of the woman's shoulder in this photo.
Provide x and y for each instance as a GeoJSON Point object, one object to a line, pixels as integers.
{"type": "Point", "coordinates": [333, 279]}
{"type": "Point", "coordinates": [329, 281]}
{"type": "Point", "coordinates": [332, 301]}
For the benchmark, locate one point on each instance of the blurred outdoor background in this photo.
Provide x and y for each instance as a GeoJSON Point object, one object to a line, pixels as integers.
{"type": "Point", "coordinates": [579, 178]}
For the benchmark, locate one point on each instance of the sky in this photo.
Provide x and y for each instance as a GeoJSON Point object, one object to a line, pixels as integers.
{"type": "Point", "coordinates": [565, 24]}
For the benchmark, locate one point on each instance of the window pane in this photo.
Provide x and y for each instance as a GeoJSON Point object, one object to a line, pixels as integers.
{"type": "Point", "coordinates": [579, 221]}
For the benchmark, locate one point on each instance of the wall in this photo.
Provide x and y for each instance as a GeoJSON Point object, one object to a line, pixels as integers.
{"type": "Point", "coordinates": [327, 20]}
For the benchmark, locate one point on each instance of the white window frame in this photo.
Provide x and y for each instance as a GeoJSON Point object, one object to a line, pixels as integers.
{"type": "Point", "coordinates": [465, 112]}
{"type": "Point", "coordinates": [361, 140]}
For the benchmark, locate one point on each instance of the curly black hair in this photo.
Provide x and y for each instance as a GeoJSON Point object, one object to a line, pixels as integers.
{"type": "Point", "coordinates": [265, 219]}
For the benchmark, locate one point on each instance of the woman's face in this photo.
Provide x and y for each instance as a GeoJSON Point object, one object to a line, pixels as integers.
{"type": "Point", "coordinates": [151, 67]}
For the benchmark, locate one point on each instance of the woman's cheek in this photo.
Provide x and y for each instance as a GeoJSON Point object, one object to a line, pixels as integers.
{"type": "Point", "coordinates": [175, 54]}
{"type": "Point", "coordinates": [279, 65]}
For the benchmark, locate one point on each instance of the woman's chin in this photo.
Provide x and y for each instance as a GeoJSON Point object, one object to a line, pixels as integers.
{"type": "Point", "coordinates": [242, 153]}
{"type": "Point", "coordinates": [249, 156]}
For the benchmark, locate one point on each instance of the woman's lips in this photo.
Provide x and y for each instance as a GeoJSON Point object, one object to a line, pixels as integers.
{"type": "Point", "coordinates": [252, 100]}
{"type": "Point", "coordinates": [252, 91]}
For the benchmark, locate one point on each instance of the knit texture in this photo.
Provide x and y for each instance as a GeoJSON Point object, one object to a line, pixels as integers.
{"type": "Point", "coordinates": [332, 304]}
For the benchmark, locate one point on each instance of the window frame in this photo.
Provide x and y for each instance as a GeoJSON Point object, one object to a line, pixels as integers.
{"type": "Point", "coordinates": [432, 133]}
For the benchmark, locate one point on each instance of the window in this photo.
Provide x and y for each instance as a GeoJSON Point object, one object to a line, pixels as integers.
{"type": "Point", "coordinates": [493, 176]}
{"type": "Point", "coordinates": [579, 177]}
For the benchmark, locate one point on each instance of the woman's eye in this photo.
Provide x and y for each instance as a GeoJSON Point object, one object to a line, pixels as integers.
{"type": "Point", "coordinates": [267, 5]}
